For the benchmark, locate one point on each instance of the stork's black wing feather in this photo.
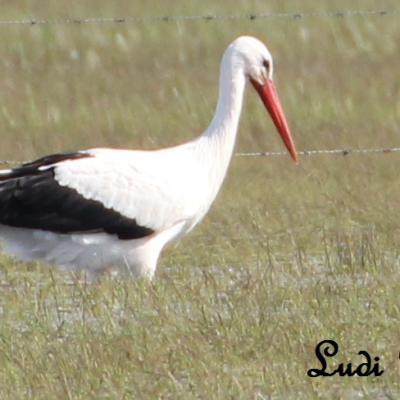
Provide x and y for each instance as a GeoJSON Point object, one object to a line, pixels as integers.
{"type": "Point", "coordinates": [33, 167]}
{"type": "Point", "coordinates": [30, 197]}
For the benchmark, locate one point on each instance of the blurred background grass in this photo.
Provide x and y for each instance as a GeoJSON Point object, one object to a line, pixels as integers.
{"type": "Point", "coordinates": [289, 255]}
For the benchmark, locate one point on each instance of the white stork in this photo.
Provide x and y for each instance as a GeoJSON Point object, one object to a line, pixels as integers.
{"type": "Point", "coordinates": [105, 208]}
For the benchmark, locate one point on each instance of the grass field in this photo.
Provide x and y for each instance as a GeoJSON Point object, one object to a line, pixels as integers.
{"type": "Point", "coordinates": [288, 256]}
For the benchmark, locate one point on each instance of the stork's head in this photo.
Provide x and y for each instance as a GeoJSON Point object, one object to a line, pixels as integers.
{"type": "Point", "coordinates": [256, 61]}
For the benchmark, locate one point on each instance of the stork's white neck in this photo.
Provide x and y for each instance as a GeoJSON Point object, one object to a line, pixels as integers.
{"type": "Point", "coordinates": [219, 138]}
{"type": "Point", "coordinates": [231, 88]}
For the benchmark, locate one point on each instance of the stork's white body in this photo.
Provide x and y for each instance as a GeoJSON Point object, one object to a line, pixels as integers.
{"type": "Point", "coordinates": [168, 191]}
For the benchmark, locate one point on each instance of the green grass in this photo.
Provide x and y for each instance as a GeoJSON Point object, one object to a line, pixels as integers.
{"type": "Point", "coordinates": [289, 255]}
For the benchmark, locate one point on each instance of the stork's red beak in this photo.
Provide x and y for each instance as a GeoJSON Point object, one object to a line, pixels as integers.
{"type": "Point", "coordinates": [270, 98]}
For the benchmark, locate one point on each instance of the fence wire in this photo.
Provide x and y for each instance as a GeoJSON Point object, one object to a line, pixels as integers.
{"type": "Point", "coordinates": [331, 152]}
{"type": "Point", "coordinates": [215, 17]}
{"type": "Point", "coordinates": [317, 152]}
{"type": "Point", "coordinates": [206, 17]}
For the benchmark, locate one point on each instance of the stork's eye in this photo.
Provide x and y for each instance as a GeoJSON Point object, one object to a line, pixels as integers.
{"type": "Point", "coordinates": [266, 65]}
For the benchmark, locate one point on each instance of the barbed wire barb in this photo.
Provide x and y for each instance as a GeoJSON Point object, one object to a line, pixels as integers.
{"type": "Point", "coordinates": [207, 17]}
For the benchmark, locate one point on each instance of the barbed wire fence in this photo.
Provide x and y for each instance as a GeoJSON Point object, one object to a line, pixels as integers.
{"type": "Point", "coordinates": [330, 152]}
{"type": "Point", "coordinates": [307, 153]}
{"type": "Point", "coordinates": [206, 17]}
{"type": "Point", "coordinates": [294, 16]}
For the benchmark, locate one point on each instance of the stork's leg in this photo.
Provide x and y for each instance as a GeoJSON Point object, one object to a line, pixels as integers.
{"type": "Point", "coordinates": [140, 261]}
